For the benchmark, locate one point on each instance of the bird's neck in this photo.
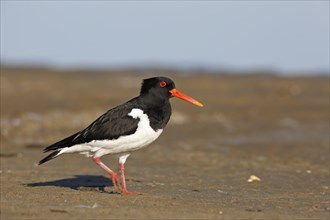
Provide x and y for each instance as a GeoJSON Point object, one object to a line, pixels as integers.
{"type": "Point", "coordinates": [159, 111]}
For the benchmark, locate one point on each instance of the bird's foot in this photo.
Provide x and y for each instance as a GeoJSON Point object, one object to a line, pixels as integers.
{"type": "Point", "coordinates": [126, 192]}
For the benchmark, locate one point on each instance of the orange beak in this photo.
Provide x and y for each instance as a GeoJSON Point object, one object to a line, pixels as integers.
{"type": "Point", "coordinates": [178, 94]}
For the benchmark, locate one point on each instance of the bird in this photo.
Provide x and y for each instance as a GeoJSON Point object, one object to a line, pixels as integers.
{"type": "Point", "coordinates": [124, 129]}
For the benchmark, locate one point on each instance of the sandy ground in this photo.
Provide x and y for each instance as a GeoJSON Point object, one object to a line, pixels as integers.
{"type": "Point", "coordinates": [275, 128]}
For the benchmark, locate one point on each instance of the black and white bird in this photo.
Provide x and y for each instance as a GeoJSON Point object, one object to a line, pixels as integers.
{"type": "Point", "coordinates": [125, 128]}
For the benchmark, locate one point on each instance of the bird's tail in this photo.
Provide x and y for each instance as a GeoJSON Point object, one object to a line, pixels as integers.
{"type": "Point", "coordinates": [50, 156]}
{"type": "Point", "coordinates": [58, 147]}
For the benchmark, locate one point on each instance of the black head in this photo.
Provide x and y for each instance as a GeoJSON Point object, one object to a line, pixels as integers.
{"type": "Point", "coordinates": [159, 86]}
{"type": "Point", "coordinates": [163, 88]}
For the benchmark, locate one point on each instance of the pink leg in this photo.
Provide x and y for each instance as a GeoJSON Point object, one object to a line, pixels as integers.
{"type": "Point", "coordinates": [123, 181]}
{"type": "Point", "coordinates": [114, 177]}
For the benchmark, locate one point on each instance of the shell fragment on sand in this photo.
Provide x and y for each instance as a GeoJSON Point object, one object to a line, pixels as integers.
{"type": "Point", "coordinates": [253, 178]}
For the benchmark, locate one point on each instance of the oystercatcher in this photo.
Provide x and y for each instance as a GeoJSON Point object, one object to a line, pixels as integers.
{"type": "Point", "coordinates": [125, 128]}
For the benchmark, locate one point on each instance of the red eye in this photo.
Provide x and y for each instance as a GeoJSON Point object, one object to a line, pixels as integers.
{"type": "Point", "coordinates": [162, 84]}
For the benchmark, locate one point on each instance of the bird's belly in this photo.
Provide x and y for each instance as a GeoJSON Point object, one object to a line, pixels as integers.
{"type": "Point", "coordinates": [127, 143]}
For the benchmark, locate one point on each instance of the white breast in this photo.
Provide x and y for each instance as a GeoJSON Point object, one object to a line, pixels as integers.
{"type": "Point", "coordinates": [143, 136]}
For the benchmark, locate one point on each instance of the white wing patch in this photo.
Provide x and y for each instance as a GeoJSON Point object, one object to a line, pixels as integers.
{"type": "Point", "coordinates": [138, 113]}
{"type": "Point", "coordinates": [143, 136]}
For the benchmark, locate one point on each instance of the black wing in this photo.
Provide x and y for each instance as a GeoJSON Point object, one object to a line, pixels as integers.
{"type": "Point", "coordinates": [111, 125]}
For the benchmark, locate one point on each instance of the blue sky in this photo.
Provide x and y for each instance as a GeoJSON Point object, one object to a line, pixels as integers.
{"type": "Point", "coordinates": [285, 36]}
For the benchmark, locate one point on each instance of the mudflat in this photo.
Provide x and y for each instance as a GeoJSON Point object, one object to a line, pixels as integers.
{"type": "Point", "coordinates": [258, 149]}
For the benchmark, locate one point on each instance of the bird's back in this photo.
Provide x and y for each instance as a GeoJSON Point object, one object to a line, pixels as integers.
{"type": "Point", "coordinates": [111, 125]}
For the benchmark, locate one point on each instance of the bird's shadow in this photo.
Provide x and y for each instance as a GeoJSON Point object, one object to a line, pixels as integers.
{"type": "Point", "coordinates": [78, 182]}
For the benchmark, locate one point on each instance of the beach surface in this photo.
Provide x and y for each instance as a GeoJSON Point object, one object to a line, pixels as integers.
{"type": "Point", "coordinates": [258, 149]}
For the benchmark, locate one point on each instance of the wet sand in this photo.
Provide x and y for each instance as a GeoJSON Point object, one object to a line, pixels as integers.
{"type": "Point", "coordinates": [276, 128]}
